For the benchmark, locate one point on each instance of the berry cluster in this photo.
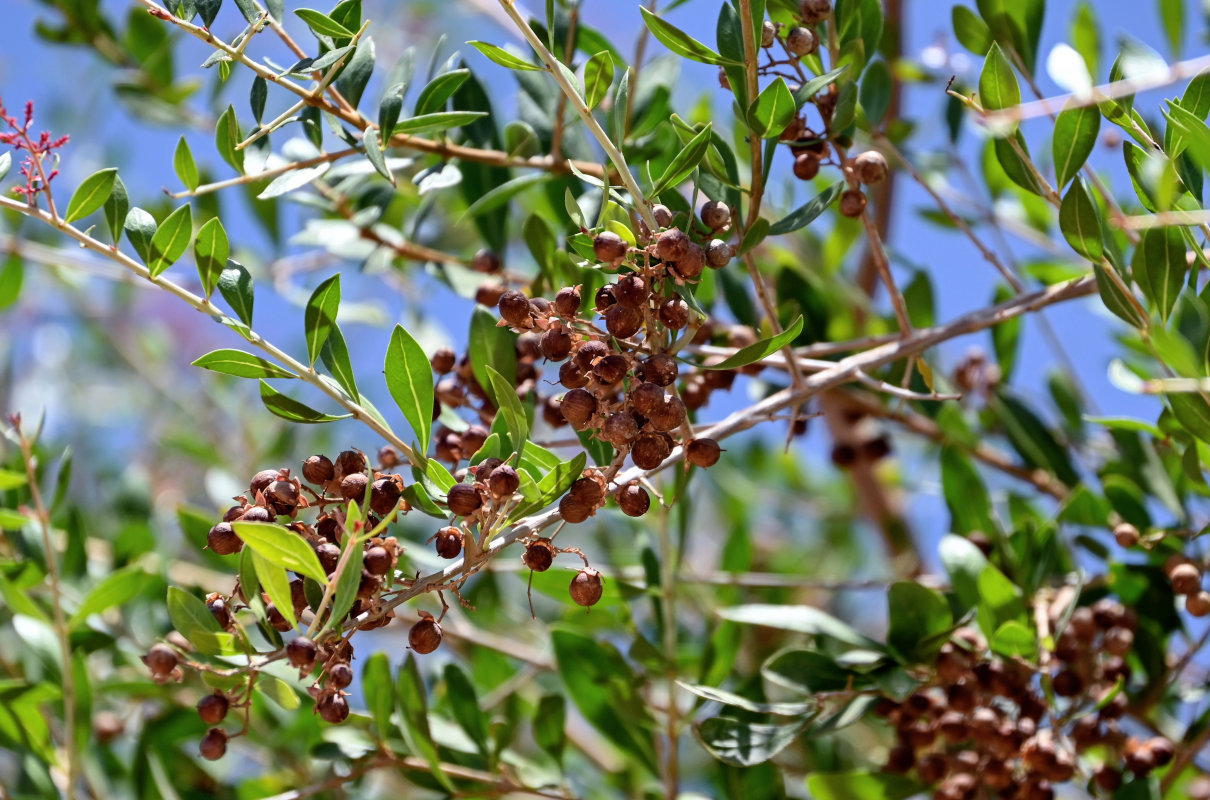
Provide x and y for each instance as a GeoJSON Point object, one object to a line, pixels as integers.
{"type": "Point", "coordinates": [1184, 573]}
{"type": "Point", "coordinates": [983, 728]}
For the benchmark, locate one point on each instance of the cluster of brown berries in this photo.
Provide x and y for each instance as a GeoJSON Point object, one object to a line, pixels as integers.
{"type": "Point", "coordinates": [983, 727]}
{"type": "Point", "coordinates": [1186, 577]}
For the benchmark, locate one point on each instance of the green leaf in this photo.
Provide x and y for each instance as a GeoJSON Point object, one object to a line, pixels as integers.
{"type": "Point", "coordinates": [379, 693]}
{"type": "Point", "coordinates": [801, 619]}
{"type": "Point", "coordinates": [440, 121]}
{"type": "Point", "coordinates": [725, 697]}
{"type": "Point", "coordinates": [1075, 135]}
{"type": "Point", "coordinates": [1085, 37]}
{"type": "Point", "coordinates": [226, 137]}
{"type": "Point", "coordinates": [510, 406]}
{"type": "Point", "coordinates": [553, 485]}
{"type": "Point", "coordinates": [438, 91]}
{"type": "Point", "coordinates": [680, 42]}
{"type": "Point", "coordinates": [235, 285]}
{"type": "Point", "coordinates": [90, 195]}
{"type": "Point", "coordinates": [413, 705]}
{"type": "Point", "coordinates": [348, 582]}
{"type": "Point", "coordinates": [376, 157]}
{"type": "Point", "coordinates": [11, 480]}
{"type": "Point", "coordinates": [489, 344]}
{"type": "Point", "coordinates": [257, 97]}
{"type": "Point", "coordinates": [140, 227]}
{"type": "Point", "coordinates": [116, 208]}
{"type": "Point", "coordinates": [875, 94]}
{"type": "Point", "coordinates": [772, 110]}
{"type": "Point", "coordinates": [409, 378]}
{"type": "Point", "coordinates": [1080, 222]}
{"type": "Point", "coordinates": [1000, 600]}
{"type": "Point", "coordinates": [320, 315]}
{"type": "Point", "coordinates": [1035, 443]}
{"type": "Point", "coordinates": [282, 547]}
{"type": "Point", "coordinates": [917, 614]}
{"type": "Point", "coordinates": [240, 364]}
{"type": "Point", "coordinates": [998, 87]}
{"type": "Point", "coordinates": [275, 582]}
{"type": "Point", "coordinates": [861, 786]}
{"type": "Point", "coordinates": [184, 165]}
{"type": "Point", "coordinates": [813, 86]}
{"type": "Point", "coordinates": [12, 275]}
{"type": "Point", "coordinates": [1172, 13]}
{"type": "Point", "coordinates": [598, 77]}
{"type": "Point", "coordinates": [550, 732]}
{"type": "Point", "coordinates": [116, 589]}
{"type": "Point", "coordinates": [291, 409]}
{"type": "Point", "coordinates": [335, 356]}
{"type": "Point", "coordinates": [805, 214]}
{"type": "Point", "coordinates": [971, 31]}
{"type": "Point", "coordinates": [685, 161]}
{"type": "Point", "coordinates": [744, 744]}
{"type": "Point", "coordinates": [1013, 639]}
{"type": "Point", "coordinates": [210, 251]}
{"type": "Point", "coordinates": [323, 25]}
{"type": "Point", "coordinates": [390, 107]}
{"type": "Point", "coordinates": [765, 347]}
{"type": "Point", "coordinates": [1160, 266]}
{"type": "Point", "coordinates": [6, 164]}
{"type": "Point", "coordinates": [465, 704]}
{"type": "Point", "coordinates": [194, 621]}
{"type": "Point", "coordinates": [504, 58]}
{"type": "Point", "coordinates": [171, 240]}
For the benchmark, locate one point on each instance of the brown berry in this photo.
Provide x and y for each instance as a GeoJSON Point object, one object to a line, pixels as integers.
{"type": "Point", "coordinates": [870, 168]}
{"type": "Point", "coordinates": [768, 32]}
{"type": "Point", "coordinates": [672, 245]}
{"type": "Point", "coordinates": [801, 41]}
{"type": "Point", "coordinates": [1186, 579]}
{"type": "Point", "coordinates": [220, 611]}
{"type": "Point", "coordinates": [852, 203]}
{"type": "Point", "coordinates": [586, 587]}
{"type": "Point", "coordinates": [571, 376]}
{"type": "Point", "coordinates": [631, 291]}
{"type": "Point", "coordinates": [633, 500]}
{"type": "Point", "coordinates": [604, 298]}
{"type": "Point", "coordinates": [329, 556]}
{"type": "Point", "coordinates": [610, 369]}
{"type": "Point", "coordinates": [718, 254]}
{"type": "Point", "coordinates": [660, 369]}
{"type": "Point", "coordinates": [573, 511]}
{"type": "Point", "coordinates": [1068, 684]}
{"type": "Point", "coordinates": [556, 344]}
{"type": "Point", "coordinates": [567, 301]}
{"type": "Point", "coordinates": [716, 215]}
{"type": "Point", "coordinates": [443, 360]}
{"type": "Point", "coordinates": [377, 560]}
{"type": "Point", "coordinates": [223, 540]}
{"type": "Point", "coordinates": [588, 353]}
{"type": "Point", "coordinates": [690, 265]}
{"type": "Point", "coordinates": [257, 514]}
{"type": "Point", "coordinates": [587, 491]}
{"type": "Point", "coordinates": [649, 451]}
{"type": "Point", "coordinates": [384, 496]}
{"type": "Point", "coordinates": [301, 652]}
{"type": "Point", "coordinates": [646, 398]}
{"type": "Point", "coordinates": [703, 452]}
{"type": "Point", "coordinates": [474, 438]}
{"type": "Point", "coordinates": [622, 321]}
{"type": "Point", "coordinates": [1126, 534]}
{"type": "Point", "coordinates": [425, 636]}
{"type": "Point", "coordinates": [333, 708]}
{"type": "Point", "coordinates": [463, 499]}
{"type": "Point", "coordinates": [514, 308]}
{"type": "Point", "coordinates": [353, 487]}
{"type": "Point", "coordinates": [669, 415]}
{"type": "Point", "coordinates": [340, 675]}
{"type": "Point", "coordinates": [806, 166]}
{"type": "Point", "coordinates": [814, 11]}
{"type": "Point", "coordinates": [579, 406]}
{"type": "Point", "coordinates": [449, 542]}
{"type": "Point", "coordinates": [1198, 604]}
{"type": "Point", "coordinates": [674, 312]}
{"type": "Point", "coordinates": [161, 660]}
{"type": "Point", "coordinates": [213, 708]}
{"type": "Point", "coordinates": [662, 214]}
{"type": "Point", "coordinates": [619, 429]}
{"type": "Point", "coordinates": [539, 555]}
{"type": "Point", "coordinates": [214, 744]}
{"type": "Point", "coordinates": [1119, 640]}
{"type": "Point", "coordinates": [318, 470]}
{"type": "Point", "coordinates": [503, 482]}
{"type": "Point", "coordinates": [261, 480]}
{"type": "Point", "coordinates": [348, 462]}
{"type": "Point", "coordinates": [609, 248]}
{"type": "Point", "coordinates": [485, 261]}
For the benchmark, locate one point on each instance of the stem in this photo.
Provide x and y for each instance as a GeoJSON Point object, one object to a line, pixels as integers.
{"type": "Point", "coordinates": [615, 155]}
{"type": "Point", "coordinates": [751, 66]}
{"type": "Point", "coordinates": [556, 136]}
{"type": "Point", "coordinates": [668, 595]}
{"type": "Point", "coordinates": [269, 173]}
{"type": "Point", "coordinates": [61, 631]}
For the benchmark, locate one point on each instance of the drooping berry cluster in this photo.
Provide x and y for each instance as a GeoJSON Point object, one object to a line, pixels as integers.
{"type": "Point", "coordinates": [983, 727]}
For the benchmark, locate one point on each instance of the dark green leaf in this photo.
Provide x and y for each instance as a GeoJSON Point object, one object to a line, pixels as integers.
{"type": "Point", "coordinates": [970, 31]}
{"type": "Point", "coordinates": [116, 208]}
{"type": "Point", "coordinates": [440, 121]}
{"type": "Point", "coordinates": [11, 278]}
{"type": "Point", "coordinates": [257, 98]}
{"type": "Point", "coordinates": [323, 25]}
{"type": "Point", "coordinates": [283, 547]}
{"type": "Point", "coordinates": [805, 214]}
{"type": "Point", "coordinates": [680, 42]}
{"type": "Point", "coordinates": [210, 251]}
{"type": "Point", "coordinates": [171, 240]}
{"type": "Point", "coordinates": [772, 110]}
{"type": "Point", "coordinates": [801, 619]}
{"type": "Point", "coordinates": [503, 57]}
{"type": "Point", "coordinates": [875, 95]}
{"type": "Point", "coordinates": [861, 786]}
{"type": "Point", "coordinates": [510, 407]}
{"type": "Point", "coordinates": [743, 744]}
{"type": "Point", "coordinates": [235, 285]}
{"type": "Point", "coordinates": [226, 137]}
{"type": "Point", "coordinates": [183, 163]}
{"type": "Point", "coordinates": [275, 582]}
{"type": "Point", "coordinates": [439, 90]}
{"type": "Point", "coordinates": [813, 86]}
{"type": "Point", "coordinates": [240, 364]}
{"type": "Point", "coordinates": [917, 614]}
{"type": "Point", "coordinates": [685, 161]}
{"type": "Point", "coordinates": [1160, 267]}
{"type": "Point", "coordinates": [335, 356]}
{"type": "Point", "coordinates": [377, 158]}
{"type": "Point", "coordinates": [409, 691]}
{"type": "Point", "coordinates": [465, 704]}
{"type": "Point", "coordinates": [489, 344]}
{"type": "Point", "coordinates": [115, 589]}
{"type": "Point", "coordinates": [409, 378]}
{"type": "Point", "coordinates": [765, 347]}
{"type": "Point", "coordinates": [1032, 439]}
{"type": "Point", "coordinates": [90, 195]}
{"type": "Point", "coordinates": [549, 725]}
{"type": "Point", "coordinates": [357, 71]}
{"type": "Point", "coordinates": [350, 578]}
{"type": "Point", "coordinates": [291, 409]}
{"type": "Point", "coordinates": [320, 315]}
{"type": "Point", "coordinates": [1080, 222]}
{"type": "Point", "coordinates": [1075, 135]}
{"type": "Point", "coordinates": [194, 621]}
{"type": "Point", "coordinates": [378, 689]}
{"type": "Point", "coordinates": [390, 108]}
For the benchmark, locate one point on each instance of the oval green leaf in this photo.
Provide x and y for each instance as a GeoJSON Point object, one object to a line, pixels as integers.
{"type": "Point", "coordinates": [171, 240]}
{"type": "Point", "coordinates": [409, 378]}
{"type": "Point", "coordinates": [240, 364]}
{"type": "Point", "coordinates": [90, 195]}
{"type": "Point", "coordinates": [765, 347]}
{"type": "Point", "coordinates": [281, 547]}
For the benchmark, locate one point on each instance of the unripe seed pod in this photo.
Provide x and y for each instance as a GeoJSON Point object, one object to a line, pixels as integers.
{"type": "Point", "coordinates": [579, 407]}
{"type": "Point", "coordinates": [353, 487]}
{"type": "Point", "coordinates": [463, 499]}
{"type": "Point", "coordinates": [604, 298]}
{"type": "Point", "coordinates": [623, 322]}
{"type": "Point", "coordinates": [425, 636]}
{"type": "Point", "coordinates": [348, 462]}
{"type": "Point", "coordinates": [556, 344]}
{"type": "Point", "coordinates": [571, 376]}
{"type": "Point", "coordinates": [1186, 579]}
{"type": "Point", "coordinates": [691, 264]}
{"type": "Point", "coordinates": [674, 312]}
{"type": "Point", "coordinates": [213, 708]}
{"type": "Point", "coordinates": [449, 542]}
{"type": "Point", "coordinates": [586, 491]}
{"type": "Point", "coordinates": [223, 540]}
{"type": "Point", "coordinates": [715, 215]}
{"type": "Point", "coordinates": [1126, 534]}
{"type": "Point", "coordinates": [377, 560]}
{"type": "Point", "coordinates": [261, 480]}
{"type": "Point", "coordinates": [586, 587]}
{"type": "Point", "coordinates": [329, 556]}
{"type": "Point", "coordinates": [870, 168]}
{"type": "Point", "coordinates": [161, 660]}
{"type": "Point", "coordinates": [318, 469]}
{"type": "Point", "coordinates": [718, 254]}
{"type": "Point", "coordinates": [806, 166]}
{"type": "Point", "coordinates": [301, 652]}
{"type": "Point", "coordinates": [768, 32]}
{"type": "Point", "coordinates": [633, 499]}
{"type": "Point", "coordinates": [573, 511]}
{"type": "Point", "coordinates": [662, 214]}
{"type": "Point", "coordinates": [703, 452]}
{"type": "Point", "coordinates": [669, 415]}
{"type": "Point", "coordinates": [333, 708]}
{"type": "Point", "coordinates": [672, 245]}
{"type": "Point", "coordinates": [503, 482]}
{"type": "Point", "coordinates": [1198, 604]}
{"type": "Point", "coordinates": [649, 451]}
{"type": "Point", "coordinates": [514, 308]}
{"type": "Point", "coordinates": [801, 41]}
{"type": "Point", "coordinates": [631, 291]}
{"type": "Point", "coordinates": [567, 301]}
{"type": "Point", "coordinates": [485, 261]}
{"type": "Point", "coordinates": [619, 429]}
{"type": "Point", "coordinates": [660, 369]}
{"type": "Point", "coordinates": [814, 11]}
{"type": "Point", "coordinates": [609, 247]}
{"type": "Point", "coordinates": [539, 555]}
{"type": "Point", "coordinates": [852, 203]}
{"type": "Point", "coordinates": [339, 676]}
{"type": "Point", "coordinates": [214, 744]}
{"type": "Point", "coordinates": [443, 360]}
{"type": "Point", "coordinates": [611, 369]}
{"type": "Point", "coordinates": [384, 496]}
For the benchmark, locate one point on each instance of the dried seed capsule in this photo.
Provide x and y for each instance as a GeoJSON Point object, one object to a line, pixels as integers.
{"type": "Point", "coordinates": [161, 660]}
{"type": "Point", "coordinates": [1162, 750]}
{"type": "Point", "coordinates": [1068, 684]}
{"type": "Point", "coordinates": [870, 168]}
{"type": "Point", "coordinates": [556, 344]}
{"type": "Point", "coordinates": [619, 429]}
{"type": "Point", "coordinates": [223, 540]}
{"type": "Point", "coordinates": [539, 555]}
{"type": "Point", "coordinates": [852, 203]}
{"type": "Point", "coordinates": [631, 291]}
{"type": "Point", "coordinates": [552, 413]}
{"type": "Point", "coordinates": [503, 482]}
{"type": "Point", "coordinates": [348, 462]}
{"type": "Point", "coordinates": [801, 41]}
{"type": "Point", "coordinates": [806, 166]}
{"type": "Point", "coordinates": [463, 499]}
{"type": "Point", "coordinates": [473, 438]}
{"type": "Point", "coordinates": [485, 261]}
{"type": "Point", "coordinates": [587, 491]}
{"type": "Point", "coordinates": [646, 397]}
{"type": "Point", "coordinates": [220, 611]}
{"type": "Point", "coordinates": [443, 360]}
{"type": "Point", "coordinates": [369, 586]}
{"type": "Point", "coordinates": [768, 32]}
{"type": "Point", "coordinates": [579, 407]}
{"type": "Point", "coordinates": [329, 556]}
{"type": "Point", "coordinates": [703, 452]}
{"type": "Point", "coordinates": [353, 487]}
{"type": "Point", "coordinates": [672, 245]}
{"type": "Point", "coordinates": [589, 352]}
{"type": "Point", "coordinates": [586, 587]}
{"type": "Point", "coordinates": [257, 514]}
{"type": "Point", "coordinates": [1119, 640]}
{"type": "Point", "coordinates": [1126, 534]}
{"type": "Point", "coordinates": [1186, 579]}
{"type": "Point", "coordinates": [301, 652]}
{"type": "Point", "coordinates": [425, 636]}
{"type": "Point", "coordinates": [318, 470]}
{"type": "Point", "coordinates": [261, 480]}
{"type": "Point", "coordinates": [662, 214]}
{"type": "Point", "coordinates": [275, 617]}
{"type": "Point", "coordinates": [718, 254]}
{"type": "Point", "coordinates": [514, 308]}
{"type": "Point", "coordinates": [623, 322]}
{"type": "Point", "coordinates": [571, 376]}
{"type": "Point", "coordinates": [567, 301]}
{"type": "Point", "coordinates": [604, 298]}
{"type": "Point", "coordinates": [214, 744]}
{"type": "Point", "coordinates": [649, 451]}
{"type": "Point", "coordinates": [814, 11]}
{"type": "Point", "coordinates": [716, 215]}
{"type": "Point", "coordinates": [213, 708]}
{"type": "Point", "coordinates": [334, 708]}
{"type": "Point", "coordinates": [633, 499]}
{"type": "Point", "coordinates": [691, 264]}
{"type": "Point", "coordinates": [674, 312]}
{"type": "Point", "coordinates": [611, 369]}
{"type": "Point", "coordinates": [384, 496]}
{"type": "Point", "coordinates": [339, 676]}
{"type": "Point", "coordinates": [298, 596]}
{"type": "Point", "coordinates": [377, 560]}
{"type": "Point", "coordinates": [660, 369]}
{"type": "Point", "coordinates": [1198, 604]}
{"type": "Point", "coordinates": [609, 248]}
{"type": "Point", "coordinates": [449, 542]}
{"type": "Point", "coordinates": [573, 511]}
{"type": "Point", "coordinates": [669, 415]}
